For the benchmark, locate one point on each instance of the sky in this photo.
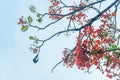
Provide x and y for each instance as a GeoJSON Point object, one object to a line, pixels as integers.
{"type": "Point", "coordinates": [15, 56]}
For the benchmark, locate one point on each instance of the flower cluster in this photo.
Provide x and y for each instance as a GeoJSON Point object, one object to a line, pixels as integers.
{"type": "Point", "coordinates": [98, 47]}
{"type": "Point", "coordinates": [68, 59]}
{"type": "Point", "coordinates": [55, 10]}
{"type": "Point", "coordinates": [22, 21]}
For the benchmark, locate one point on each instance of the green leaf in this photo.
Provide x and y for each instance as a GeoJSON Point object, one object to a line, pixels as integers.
{"type": "Point", "coordinates": [119, 36]}
{"type": "Point", "coordinates": [116, 53]}
{"type": "Point", "coordinates": [36, 42]}
{"type": "Point", "coordinates": [24, 28]}
{"type": "Point", "coordinates": [30, 20]}
{"type": "Point", "coordinates": [38, 15]}
{"type": "Point", "coordinates": [107, 57]}
{"type": "Point", "coordinates": [32, 9]}
{"type": "Point", "coordinates": [32, 38]}
{"type": "Point", "coordinates": [39, 20]}
{"type": "Point", "coordinates": [113, 46]}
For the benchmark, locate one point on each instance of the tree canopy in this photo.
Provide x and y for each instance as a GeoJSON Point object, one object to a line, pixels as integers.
{"type": "Point", "coordinates": [97, 28]}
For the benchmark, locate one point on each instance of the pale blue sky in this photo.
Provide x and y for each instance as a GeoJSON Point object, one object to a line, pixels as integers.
{"type": "Point", "coordinates": [15, 57]}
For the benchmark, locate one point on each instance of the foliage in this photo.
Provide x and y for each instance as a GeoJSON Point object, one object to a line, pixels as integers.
{"type": "Point", "coordinates": [96, 45]}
